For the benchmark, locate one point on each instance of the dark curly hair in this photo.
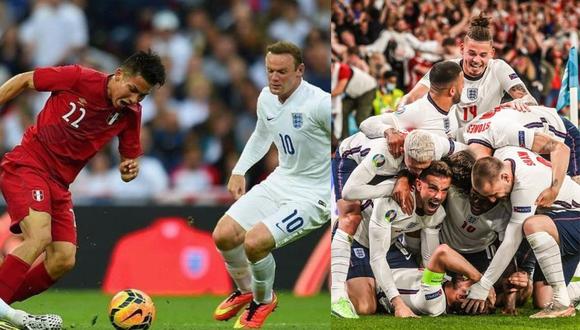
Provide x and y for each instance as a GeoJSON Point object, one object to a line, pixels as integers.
{"type": "Point", "coordinates": [461, 164]}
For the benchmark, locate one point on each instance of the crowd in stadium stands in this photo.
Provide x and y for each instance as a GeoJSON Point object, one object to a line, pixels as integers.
{"type": "Point", "coordinates": [195, 126]}
{"type": "Point", "coordinates": [397, 41]}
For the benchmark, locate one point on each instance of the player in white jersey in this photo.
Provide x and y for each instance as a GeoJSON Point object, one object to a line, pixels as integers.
{"type": "Point", "coordinates": [428, 113]}
{"type": "Point", "coordinates": [521, 175]}
{"type": "Point", "coordinates": [486, 79]}
{"type": "Point", "coordinates": [425, 291]}
{"type": "Point", "coordinates": [387, 222]}
{"type": "Point", "coordinates": [358, 164]}
{"type": "Point", "coordinates": [292, 201]}
{"type": "Point", "coordinates": [503, 126]}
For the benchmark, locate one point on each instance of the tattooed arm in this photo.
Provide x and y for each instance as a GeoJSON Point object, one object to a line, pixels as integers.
{"type": "Point", "coordinates": [521, 98]}
{"type": "Point", "coordinates": [560, 156]}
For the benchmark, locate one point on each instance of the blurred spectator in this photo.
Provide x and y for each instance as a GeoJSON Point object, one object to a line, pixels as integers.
{"type": "Point", "coordinates": [359, 91]}
{"type": "Point", "coordinates": [151, 182]}
{"type": "Point", "coordinates": [169, 43]}
{"type": "Point", "coordinates": [388, 95]}
{"type": "Point", "coordinates": [54, 34]}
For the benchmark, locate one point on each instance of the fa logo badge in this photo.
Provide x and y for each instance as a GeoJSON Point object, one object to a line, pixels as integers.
{"type": "Point", "coordinates": [378, 160]}
{"type": "Point", "coordinates": [359, 253]}
{"type": "Point", "coordinates": [472, 94]}
{"type": "Point", "coordinates": [38, 195]}
{"type": "Point", "coordinates": [391, 215]}
{"type": "Point", "coordinates": [297, 120]}
{"type": "Point", "coordinates": [471, 219]}
{"type": "Point", "coordinates": [446, 125]}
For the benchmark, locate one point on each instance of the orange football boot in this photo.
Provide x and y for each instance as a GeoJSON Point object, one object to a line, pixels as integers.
{"type": "Point", "coordinates": [232, 305]}
{"type": "Point", "coordinates": [255, 315]}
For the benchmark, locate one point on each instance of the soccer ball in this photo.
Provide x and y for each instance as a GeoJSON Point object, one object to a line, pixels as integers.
{"type": "Point", "coordinates": [131, 309]}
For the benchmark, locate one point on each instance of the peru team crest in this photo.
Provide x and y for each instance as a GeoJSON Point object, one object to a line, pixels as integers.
{"type": "Point", "coordinates": [472, 94]}
{"type": "Point", "coordinates": [38, 195]}
{"type": "Point", "coordinates": [297, 120]}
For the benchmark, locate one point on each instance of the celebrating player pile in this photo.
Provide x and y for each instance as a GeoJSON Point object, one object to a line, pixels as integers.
{"type": "Point", "coordinates": [495, 191]}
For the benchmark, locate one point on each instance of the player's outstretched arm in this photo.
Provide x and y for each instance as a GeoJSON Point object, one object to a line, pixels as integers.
{"type": "Point", "coordinates": [560, 156]}
{"type": "Point", "coordinates": [418, 91]}
{"type": "Point", "coordinates": [478, 292]}
{"type": "Point", "coordinates": [16, 85]}
{"type": "Point", "coordinates": [129, 169]}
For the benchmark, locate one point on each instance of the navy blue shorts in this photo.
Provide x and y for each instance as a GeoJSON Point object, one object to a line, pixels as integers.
{"type": "Point", "coordinates": [524, 256]}
{"type": "Point", "coordinates": [360, 265]}
{"type": "Point", "coordinates": [568, 225]}
{"type": "Point", "coordinates": [341, 170]}
{"type": "Point", "coordinates": [572, 140]}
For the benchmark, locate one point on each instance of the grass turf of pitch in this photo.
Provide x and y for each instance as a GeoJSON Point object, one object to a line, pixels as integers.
{"type": "Point", "coordinates": [460, 322]}
{"type": "Point", "coordinates": [88, 310]}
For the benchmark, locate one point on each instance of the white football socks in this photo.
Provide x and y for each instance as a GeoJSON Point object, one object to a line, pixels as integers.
{"type": "Point", "coordinates": [9, 313]}
{"type": "Point", "coordinates": [239, 268]}
{"type": "Point", "coordinates": [548, 255]}
{"type": "Point", "coordinates": [340, 262]}
{"type": "Point", "coordinates": [263, 281]}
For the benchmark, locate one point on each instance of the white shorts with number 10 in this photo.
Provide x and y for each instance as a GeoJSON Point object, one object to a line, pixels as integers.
{"type": "Point", "coordinates": [288, 211]}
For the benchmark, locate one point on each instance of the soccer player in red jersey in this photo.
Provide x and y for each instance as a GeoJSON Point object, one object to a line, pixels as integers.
{"type": "Point", "coordinates": [86, 109]}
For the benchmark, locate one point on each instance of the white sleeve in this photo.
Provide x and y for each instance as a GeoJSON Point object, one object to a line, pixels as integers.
{"type": "Point", "coordinates": [523, 207]}
{"type": "Point", "coordinates": [379, 244]}
{"type": "Point", "coordinates": [504, 254]}
{"type": "Point", "coordinates": [425, 80]}
{"type": "Point", "coordinates": [375, 126]}
{"type": "Point", "coordinates": [430, 300]}
{"type": "Point", "coordinates": [510, 134]}
{"type": "Point", "coordinates": [446, 146]}
{"type": "Point", "coordinates": [506, 75]}
{"type": "Point", "coordinates": [256, 147]}
{"type": "Point", "coordinates": [357, 186]}
{"type": "Point", "coordinates": [322, 115]}
{"type": "Point", "coordinates": [429, 242]}
{"type": "Point", "coordinates": [380, 44]}
{"type": "Point", "coordinates": [430, 46]}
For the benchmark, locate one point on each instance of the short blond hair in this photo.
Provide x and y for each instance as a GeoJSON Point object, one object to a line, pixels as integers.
{"type": "Point", "coordinates": [419, 145]}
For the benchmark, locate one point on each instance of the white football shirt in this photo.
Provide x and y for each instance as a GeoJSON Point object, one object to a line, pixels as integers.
{"type": "Point", "coordinates": [421, 114]}
{"type": "Point", "coordinates": [483, 93]}
{"type": "Point", "coordinates": [468, 233]}
{"type": "Point", "coordinates": [300, 129]}
{"type": "Point", "coordinates": [421, 298]}
{"type": "Point", "coordinates": [504, 126]}
{"type": "Point", "coordinates": [532, 174]}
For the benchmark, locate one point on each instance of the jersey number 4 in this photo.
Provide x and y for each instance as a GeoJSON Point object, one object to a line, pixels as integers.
{"type": "Point", "coordinates": [73, 109]}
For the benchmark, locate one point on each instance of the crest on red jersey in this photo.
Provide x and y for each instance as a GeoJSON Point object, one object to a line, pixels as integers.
{"type": "Point", "coordinates": [38, 195]}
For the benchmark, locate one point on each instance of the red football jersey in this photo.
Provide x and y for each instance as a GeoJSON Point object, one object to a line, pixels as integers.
{"type": "Point", "coordinates": [76, 122]}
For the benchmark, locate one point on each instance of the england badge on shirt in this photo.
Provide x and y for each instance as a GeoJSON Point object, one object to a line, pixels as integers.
{"type": "Point", "coordinates": [297, 120]}
{"type": "Point", "coordinates": [472, 94]}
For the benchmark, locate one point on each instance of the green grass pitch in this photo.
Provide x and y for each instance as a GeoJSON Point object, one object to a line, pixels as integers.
{"type": "Point", "coordinates": [456, 322]}
{"type": "Point", "coordinates": [88, 310]}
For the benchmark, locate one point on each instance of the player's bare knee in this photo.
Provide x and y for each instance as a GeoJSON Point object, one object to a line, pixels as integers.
{"type": "Point", "coordinates": [227, 235]}
{"type": "Point", "coordinates": [365, 306]}
{"type": "Point", "coordinates": [535, 224]}
{"type": "Point", "coordinates": [344, 207]}
{"type": "Point", "coordinates": [441, 250]}
{"type": "Point", "coordinates": [61, 263]}
{"type": "Point", "coordinates": [349, 223]}
{"type": "Point", "coordinates": [256, 246]}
